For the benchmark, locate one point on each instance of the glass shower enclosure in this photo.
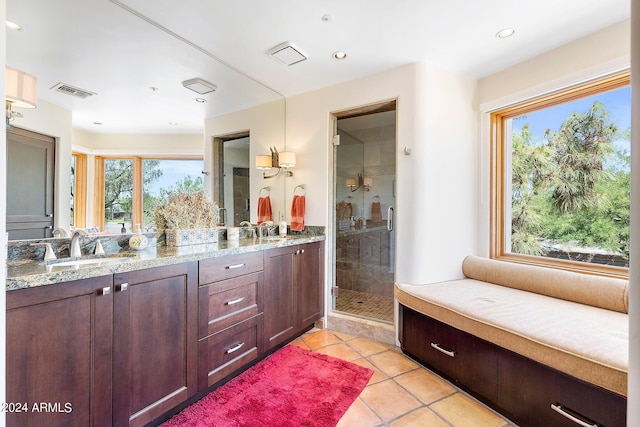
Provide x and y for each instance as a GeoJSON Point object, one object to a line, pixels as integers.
{"type": "Point", "coordinates": [364, 179]}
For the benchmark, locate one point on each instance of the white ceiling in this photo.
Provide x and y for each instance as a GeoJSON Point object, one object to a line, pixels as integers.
{"type": "Point", "coordinates": [119, 49]}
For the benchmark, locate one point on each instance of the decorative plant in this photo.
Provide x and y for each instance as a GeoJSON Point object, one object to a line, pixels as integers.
{"type": "Point", "coordinates": [184, 209]}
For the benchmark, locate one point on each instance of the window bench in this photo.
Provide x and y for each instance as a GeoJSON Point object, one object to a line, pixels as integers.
{"type": "Point", "coordinates": [530, 341]}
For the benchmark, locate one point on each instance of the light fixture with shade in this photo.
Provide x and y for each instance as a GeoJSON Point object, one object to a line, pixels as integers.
{"type": "Point", "coordinates": [281, 161]}
{"type": "Point", "coordinates": [355, 183]}
{"type": "Point", "coordinates": [20, 91]}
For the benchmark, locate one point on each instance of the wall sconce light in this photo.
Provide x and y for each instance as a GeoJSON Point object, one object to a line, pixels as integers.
{"type": "Point", "coordinates": [368, 183]}
{"type": "Point", "coordinates": [281, 161]}
{"type": "Point", "coordinates": [355, 183]}
{"type": "Point", "coordinates": [20, 91]}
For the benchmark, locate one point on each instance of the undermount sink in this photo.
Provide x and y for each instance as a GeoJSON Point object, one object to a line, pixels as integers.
{"type": "Point", "coordinates": [89, 262]}
{"type": "Point", "coordinates": [273, 238]}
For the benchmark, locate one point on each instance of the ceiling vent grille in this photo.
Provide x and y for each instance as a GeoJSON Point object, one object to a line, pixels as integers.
{"type": "Point", "coordinates": [287, 53]}
{"type": "Point", "coordinates": [73, 91]}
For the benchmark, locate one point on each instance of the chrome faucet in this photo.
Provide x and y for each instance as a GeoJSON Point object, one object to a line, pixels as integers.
{"type": "Point", "coordinates": [249, 226]}
{"type": "Point", "coordinates": [74, 247]}
{"type": "Point", "coordinates": [266, 223]}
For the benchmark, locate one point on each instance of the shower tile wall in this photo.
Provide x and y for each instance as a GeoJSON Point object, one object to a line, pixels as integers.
{"type": "Point", "coordinates": [362, 261]}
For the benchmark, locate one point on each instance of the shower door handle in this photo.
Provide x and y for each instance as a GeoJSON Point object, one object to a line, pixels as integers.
{"type": "Point", "coordinates": [390, 218]}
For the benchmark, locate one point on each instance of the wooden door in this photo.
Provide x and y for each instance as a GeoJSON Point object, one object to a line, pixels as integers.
{"type": "Point", "coordinates": [155, 342]}
{"type": "Point", "coordinates": [309, 283]}
{"type": "Point", "coordinates": [30, 184]}
{"type": "Point", "coordinates": [279, 305]}
{"type": "Point", "coordinates": [59, 354]}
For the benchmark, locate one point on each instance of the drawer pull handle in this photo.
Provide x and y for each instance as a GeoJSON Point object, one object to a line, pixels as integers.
{"type": "Point", "coordinates": [105, 291]}
{"type": "Point", "coordinates": [442, 350]}
{"type": "Point", "coordinates": [122, 287]}
{"type": "Point", "coordinates": [565, 412]}
{"type": "Point", "coordinates": [234, 348]}
{"type": "Point", "coordinates": [231, 267]}
{"type": "Point", "coordinates": [234, 301]}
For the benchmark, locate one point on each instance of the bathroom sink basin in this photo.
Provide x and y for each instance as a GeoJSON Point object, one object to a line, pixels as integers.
{"type": "Point", "coordinates": [273, 239]}
{"type": "Point", "coordinates": [89, 262]}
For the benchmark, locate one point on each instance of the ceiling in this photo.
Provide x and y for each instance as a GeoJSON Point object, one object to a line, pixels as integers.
{"type": "Point", "coordinates": [121, 49]}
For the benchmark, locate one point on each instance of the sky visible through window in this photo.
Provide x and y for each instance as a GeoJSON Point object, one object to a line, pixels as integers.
{"type": "Point", "coordinates": [174, 171]}
{"type": "Point", "coordinates": [616, 102]}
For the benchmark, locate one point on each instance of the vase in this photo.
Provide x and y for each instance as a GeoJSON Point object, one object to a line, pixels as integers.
{"type": "Point", "coordinates": [177, 237]}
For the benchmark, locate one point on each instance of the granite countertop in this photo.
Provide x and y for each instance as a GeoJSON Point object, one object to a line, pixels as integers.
{"type": "Point", "coordinates": [30, 273]}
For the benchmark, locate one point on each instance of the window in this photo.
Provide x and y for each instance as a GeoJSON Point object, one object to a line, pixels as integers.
{"type": "Point", "coordinates": [561, 179]}
{"type": "Point", "coordinates": [130, 187]}
{"type": "Point", "coordinates": [78, 202]}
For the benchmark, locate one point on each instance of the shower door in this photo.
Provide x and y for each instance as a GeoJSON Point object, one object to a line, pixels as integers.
{"type": "Point", "coordinates": [364, 192]}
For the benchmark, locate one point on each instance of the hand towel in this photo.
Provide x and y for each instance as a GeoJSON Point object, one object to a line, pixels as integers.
{"type": "Point", "coordinates": [376, 213]}
{"type": "Point", "coordinates": [264, 209]}
{"type": "Point", "coordinates": [297, 213]}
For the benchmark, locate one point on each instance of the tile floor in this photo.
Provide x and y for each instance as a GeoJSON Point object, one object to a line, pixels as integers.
{"type": "Point", "coordinates": [400, 392]}
{"type": "Point", "coordinates": [365, 304]}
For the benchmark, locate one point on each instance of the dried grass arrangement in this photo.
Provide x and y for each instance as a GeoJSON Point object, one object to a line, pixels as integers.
{"type": "Point", "coordinates": [187, 218]}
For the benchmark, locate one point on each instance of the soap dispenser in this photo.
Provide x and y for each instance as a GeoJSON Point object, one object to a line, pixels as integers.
{"type": "Point", "coordinates": [282, 227]}
{"type": "Point", "coordinates": [138, 241]}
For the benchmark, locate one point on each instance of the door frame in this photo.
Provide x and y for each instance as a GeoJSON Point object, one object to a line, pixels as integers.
{"type": "Point", "coordinates": [331, 231]}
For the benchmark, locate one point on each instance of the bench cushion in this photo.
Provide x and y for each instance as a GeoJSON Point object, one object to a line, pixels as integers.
{"type": "Point", "coordinates": [586, 342]}
{"type": "Point", "coordinates": [604, 292]}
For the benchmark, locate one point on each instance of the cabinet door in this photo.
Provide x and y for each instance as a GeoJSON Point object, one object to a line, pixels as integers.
{"type": "Point", "coordinates": [279, 305]}
{"type": "Point", "coordinates": [59, 354]}
{"type": "Point", "coordinates": [308, 283]}
{"type": "Point", "coordinates": [154, 341]}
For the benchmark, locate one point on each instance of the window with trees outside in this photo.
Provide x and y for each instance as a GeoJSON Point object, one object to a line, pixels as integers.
{"type": "Point", "coordinates": [561, 179]}
{"type": "Point", "coordinates": [132, 186]}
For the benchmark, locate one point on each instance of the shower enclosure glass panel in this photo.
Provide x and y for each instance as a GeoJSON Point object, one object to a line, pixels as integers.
{"type": "Point", "coordinates": [365, 171]}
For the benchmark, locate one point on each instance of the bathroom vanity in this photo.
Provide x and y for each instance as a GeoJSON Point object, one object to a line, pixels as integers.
{"type": "Point", "coordinates": [125, 343]}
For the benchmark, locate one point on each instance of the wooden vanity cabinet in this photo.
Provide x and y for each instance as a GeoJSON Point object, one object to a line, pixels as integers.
{"type": "Point", "coordinates": [58, 354]}
{"type": "Point", "coordinates": [230, 315]}
{"type": "Point", "coordinates": [154, 341]}
{"type": "Point", "coordinates": [293, 295]}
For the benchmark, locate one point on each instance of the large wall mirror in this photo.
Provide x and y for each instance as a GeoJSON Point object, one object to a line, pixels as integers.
{"type": "Point", "coordinates": [132, 57]}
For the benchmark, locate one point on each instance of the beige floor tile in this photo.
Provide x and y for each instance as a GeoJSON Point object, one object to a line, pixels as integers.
{"type": "Point", "coordinates": [462, 411]}
{"type": "Point", "coordinates": [422, 417]}
{"type": "Point", "coordinates": [344, 337]}
{"type": "Point", "coordinates": [359, 415]}
{"type": "Point", "coordinates": [393, 363]}
{"type": "Point", "coordinates": [388, 399]}
{"type": "Point", "coordinates": [320, 338]}
{"type": "Point", "coordinates": [425, 385]}
{"type": "Point", "coordinates": [377, 375]}
{"type": "Point", "coordinates": [341, 351]}
{"type": "Point", "coordinates": [299, 343]}
{"type": "Point", "coordinates": [367, 347]}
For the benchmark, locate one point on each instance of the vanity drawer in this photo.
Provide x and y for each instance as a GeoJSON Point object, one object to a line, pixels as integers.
{"type": "Point", "coordinates": [227, 302]}
{"type": "Point", "coordinates": [230, 349]}
{"type": "Point", "coordinates": [226, 267]}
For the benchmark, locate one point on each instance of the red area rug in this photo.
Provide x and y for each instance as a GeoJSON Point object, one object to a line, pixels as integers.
{"type": "Point", "coordinates": [292, 387]}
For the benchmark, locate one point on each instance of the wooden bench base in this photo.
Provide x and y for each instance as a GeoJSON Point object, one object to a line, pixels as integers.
{"type": "Point", "coordinates": [527, 392]}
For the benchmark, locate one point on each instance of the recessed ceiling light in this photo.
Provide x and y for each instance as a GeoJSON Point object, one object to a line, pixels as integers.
{"type": "Point", "coordinates": [12, 26]}
{"type": "Point", "coordinates": [339, 55]}
{"type": "Point", "coordinates": [326, 18]}
{"type": "Point", "coordinates": [154, 89]}
{"type": "Point", "coordinates": [97, 123]}
{"type": "Point", "coordinates": [173, 123]}
{"type": "Point", "coordinates": [507, 32]}
{"type": "Point", "coordinates": [201, 100]}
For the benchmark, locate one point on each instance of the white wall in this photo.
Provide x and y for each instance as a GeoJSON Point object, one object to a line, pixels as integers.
{"type": "Point", "coordinates": [265, 124]}
{"type": "Point", "coordinates": [435, 215]}
{"type": "Point", "coordinates": [3, 220]}
{"type": "Point", "coordinates": [633, 402]}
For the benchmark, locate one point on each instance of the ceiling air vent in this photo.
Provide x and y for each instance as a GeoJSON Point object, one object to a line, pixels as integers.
{"type": "Point", "coordinates": [287, 53]}
{"type": "Point", "coordinates": [73, 91]}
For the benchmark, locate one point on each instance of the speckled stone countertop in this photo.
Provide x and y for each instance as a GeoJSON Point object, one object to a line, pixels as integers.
{"type": "Point", "coordinates": [30, 273]}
